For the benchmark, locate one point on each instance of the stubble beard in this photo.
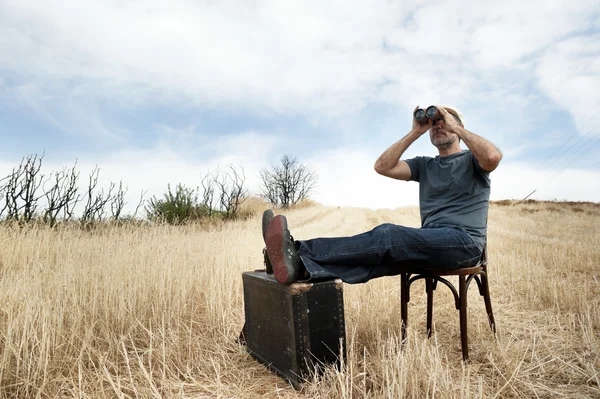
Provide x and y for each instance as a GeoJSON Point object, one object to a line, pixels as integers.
{"type": "Point", "coordinates": [445, 143]}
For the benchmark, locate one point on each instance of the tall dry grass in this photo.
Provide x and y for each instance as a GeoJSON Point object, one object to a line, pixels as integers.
{"type": "Point", "coordinates": [155, 312]}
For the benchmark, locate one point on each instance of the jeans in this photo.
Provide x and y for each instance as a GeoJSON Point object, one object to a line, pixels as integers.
{"type": "Point", "coordinates": [386, 251]}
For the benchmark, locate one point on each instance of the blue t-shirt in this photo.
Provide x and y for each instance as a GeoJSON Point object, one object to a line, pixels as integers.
{"type": "Point", "coordinates": [454, 191]}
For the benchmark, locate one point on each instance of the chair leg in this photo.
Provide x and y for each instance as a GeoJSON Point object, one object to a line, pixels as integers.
{"type": "Point", "coordinates": [429, 290]}
{"type": "Point", "coordinates": [463, 317]}
{"type": "Point", "coordinates": [404, 303]}
{"type": "Point", "coordinates": [488, 302]}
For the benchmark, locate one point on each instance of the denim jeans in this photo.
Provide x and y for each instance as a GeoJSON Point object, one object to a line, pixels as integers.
{"type": "Point", "coordinates": [386, 251]}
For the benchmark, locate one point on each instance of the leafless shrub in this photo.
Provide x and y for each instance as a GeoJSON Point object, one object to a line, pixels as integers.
{"type": "Point", "coordinates": [62, 196]}
{"type": "Point", "coordinates": [96, 200]}
{"type": "Point", "coordinates": [140, 204]}
{"type": "Point", "coordinates": [208, 192]}
{"type": "Point", "coordinates": [117, 202]}
{"type": "Point", "coordinates": [3, 185]}
{"type": "Point", "coordinates": [12, 192]}
{"type": "Point", "coordinates": [21, 190]}
{"type": "Point", "coordinates": [232, 192]}
{"type": "Point", "coordinates": [30, 184]}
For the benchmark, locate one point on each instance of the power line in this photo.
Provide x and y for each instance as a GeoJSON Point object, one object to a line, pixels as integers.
{"type": "Point", "coordinates": [577, 154]}
{"type": "Point", "coordinates": [565, 160]}
{"type": "Point", "coordinates": [590, 142]}
{"type": "Point", "coordinates": [569, 139]}
{"type": "Point", "coordinates": [574, 145]}
{"type": "Point", "coordinates": [591, 146]}
{"type": "Point", "coordinates": [572, 158]}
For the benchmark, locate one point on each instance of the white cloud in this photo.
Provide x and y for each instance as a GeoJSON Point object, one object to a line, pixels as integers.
{"type": "Point", "coordinates": [569, 72]}
{"type": "Point", "coordinates": [323, 58]}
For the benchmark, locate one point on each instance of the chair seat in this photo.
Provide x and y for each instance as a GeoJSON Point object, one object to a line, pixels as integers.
{"type": "Point", "coordinates": [464, 271]}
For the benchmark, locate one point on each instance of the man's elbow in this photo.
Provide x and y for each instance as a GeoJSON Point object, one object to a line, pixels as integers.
{"type": "Point", "coordinates": [492, 161]}
{"type": "Point", "coordinates": [379, 168]}
{"type": "Point", "coordinates": [383, 171]}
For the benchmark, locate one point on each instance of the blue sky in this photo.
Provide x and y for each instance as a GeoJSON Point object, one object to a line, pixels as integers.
{"type": "Point", "coordinates": [160, 92]}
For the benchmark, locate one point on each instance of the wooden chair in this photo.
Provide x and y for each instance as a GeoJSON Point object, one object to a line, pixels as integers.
{"type": "Point", "coordinates": [432, 277]}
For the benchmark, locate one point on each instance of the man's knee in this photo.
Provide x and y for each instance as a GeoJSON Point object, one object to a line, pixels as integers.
{"type": "Point", "coordinates": [394, 233]}
{"type": "Point", "coordinates": [386, 229]}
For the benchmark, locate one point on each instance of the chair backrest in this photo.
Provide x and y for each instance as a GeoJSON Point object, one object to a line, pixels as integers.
{"type": "Point", "coordinates": [483, 260]}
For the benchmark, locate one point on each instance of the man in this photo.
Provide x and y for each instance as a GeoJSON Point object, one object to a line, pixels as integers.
{"type": "Point", "coordinates": [454, 190]}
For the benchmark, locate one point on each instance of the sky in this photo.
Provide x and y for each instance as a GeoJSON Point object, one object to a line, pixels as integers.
{"type": "Point", "coordinates": [159, 93]}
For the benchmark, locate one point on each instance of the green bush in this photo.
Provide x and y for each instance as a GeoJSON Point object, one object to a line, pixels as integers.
{"type": "Point", "coordinates": [177, 207]}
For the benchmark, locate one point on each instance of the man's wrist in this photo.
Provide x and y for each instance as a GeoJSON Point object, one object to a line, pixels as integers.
{"type": "Point", "coordinates": [461, 132]}
{"type": "Point", "coordinates": [413, 134]}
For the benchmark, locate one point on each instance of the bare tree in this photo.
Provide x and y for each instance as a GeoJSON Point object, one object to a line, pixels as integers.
{"type": "Point", "coordinates": [96, 201]}
{"type": "Point", "coordinates": [232, 192]}
{"type": "Point", "coordinates": [288, 183]}
{"type": "Point", "coordinates": [62, 196]}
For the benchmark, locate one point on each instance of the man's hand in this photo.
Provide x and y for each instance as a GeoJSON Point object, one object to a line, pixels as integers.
{"type": "Point", "coordinates": [389, 163]}
{"type": "Point", "coordinates": [485, 152]}
{"type": "Point", "coordinates": [451, 125]}
{"type": "Point", "coordinates": [419, 128]}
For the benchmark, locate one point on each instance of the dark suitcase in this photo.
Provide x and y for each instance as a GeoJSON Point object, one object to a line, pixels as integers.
{"type": "Point", "coordinates": [297, 329]}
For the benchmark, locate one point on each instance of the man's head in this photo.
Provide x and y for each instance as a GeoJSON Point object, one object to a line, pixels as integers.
{"type": "Point", "coordinates": [441, 138]}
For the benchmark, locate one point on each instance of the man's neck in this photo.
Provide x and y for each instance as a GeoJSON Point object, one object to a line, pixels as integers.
{"type": "Point", "coordinates": [444, 152]}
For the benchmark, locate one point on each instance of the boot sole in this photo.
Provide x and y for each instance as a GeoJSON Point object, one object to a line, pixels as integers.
{"type": "Point", "coordinates": [267, 216]}
{"type": "Point", "coordinates": [283, 267]}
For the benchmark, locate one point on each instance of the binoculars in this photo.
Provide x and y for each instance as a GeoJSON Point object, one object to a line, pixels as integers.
{"type": "Point", "coordinates": [431, 112]}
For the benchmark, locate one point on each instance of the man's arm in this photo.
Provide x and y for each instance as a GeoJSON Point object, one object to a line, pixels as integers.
{"type": "Point", "coordinates": [389, 163]}
{"type": "Point", "coordinates": [485, 152]}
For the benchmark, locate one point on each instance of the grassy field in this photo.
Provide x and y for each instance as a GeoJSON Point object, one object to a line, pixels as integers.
{"type": "Point", "coordinates": [155, 312]}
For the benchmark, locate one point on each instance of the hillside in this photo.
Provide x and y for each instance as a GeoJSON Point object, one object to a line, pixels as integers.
{"type": "Point", "coordinates": [155, 312]}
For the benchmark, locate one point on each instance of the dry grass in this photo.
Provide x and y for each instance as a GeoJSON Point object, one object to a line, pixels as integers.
{"type": "Point", "coordinates": [155, 312]}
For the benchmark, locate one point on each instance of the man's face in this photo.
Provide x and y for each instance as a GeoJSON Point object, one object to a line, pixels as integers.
{"type": "Point", "coordinates": [439, 136]}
